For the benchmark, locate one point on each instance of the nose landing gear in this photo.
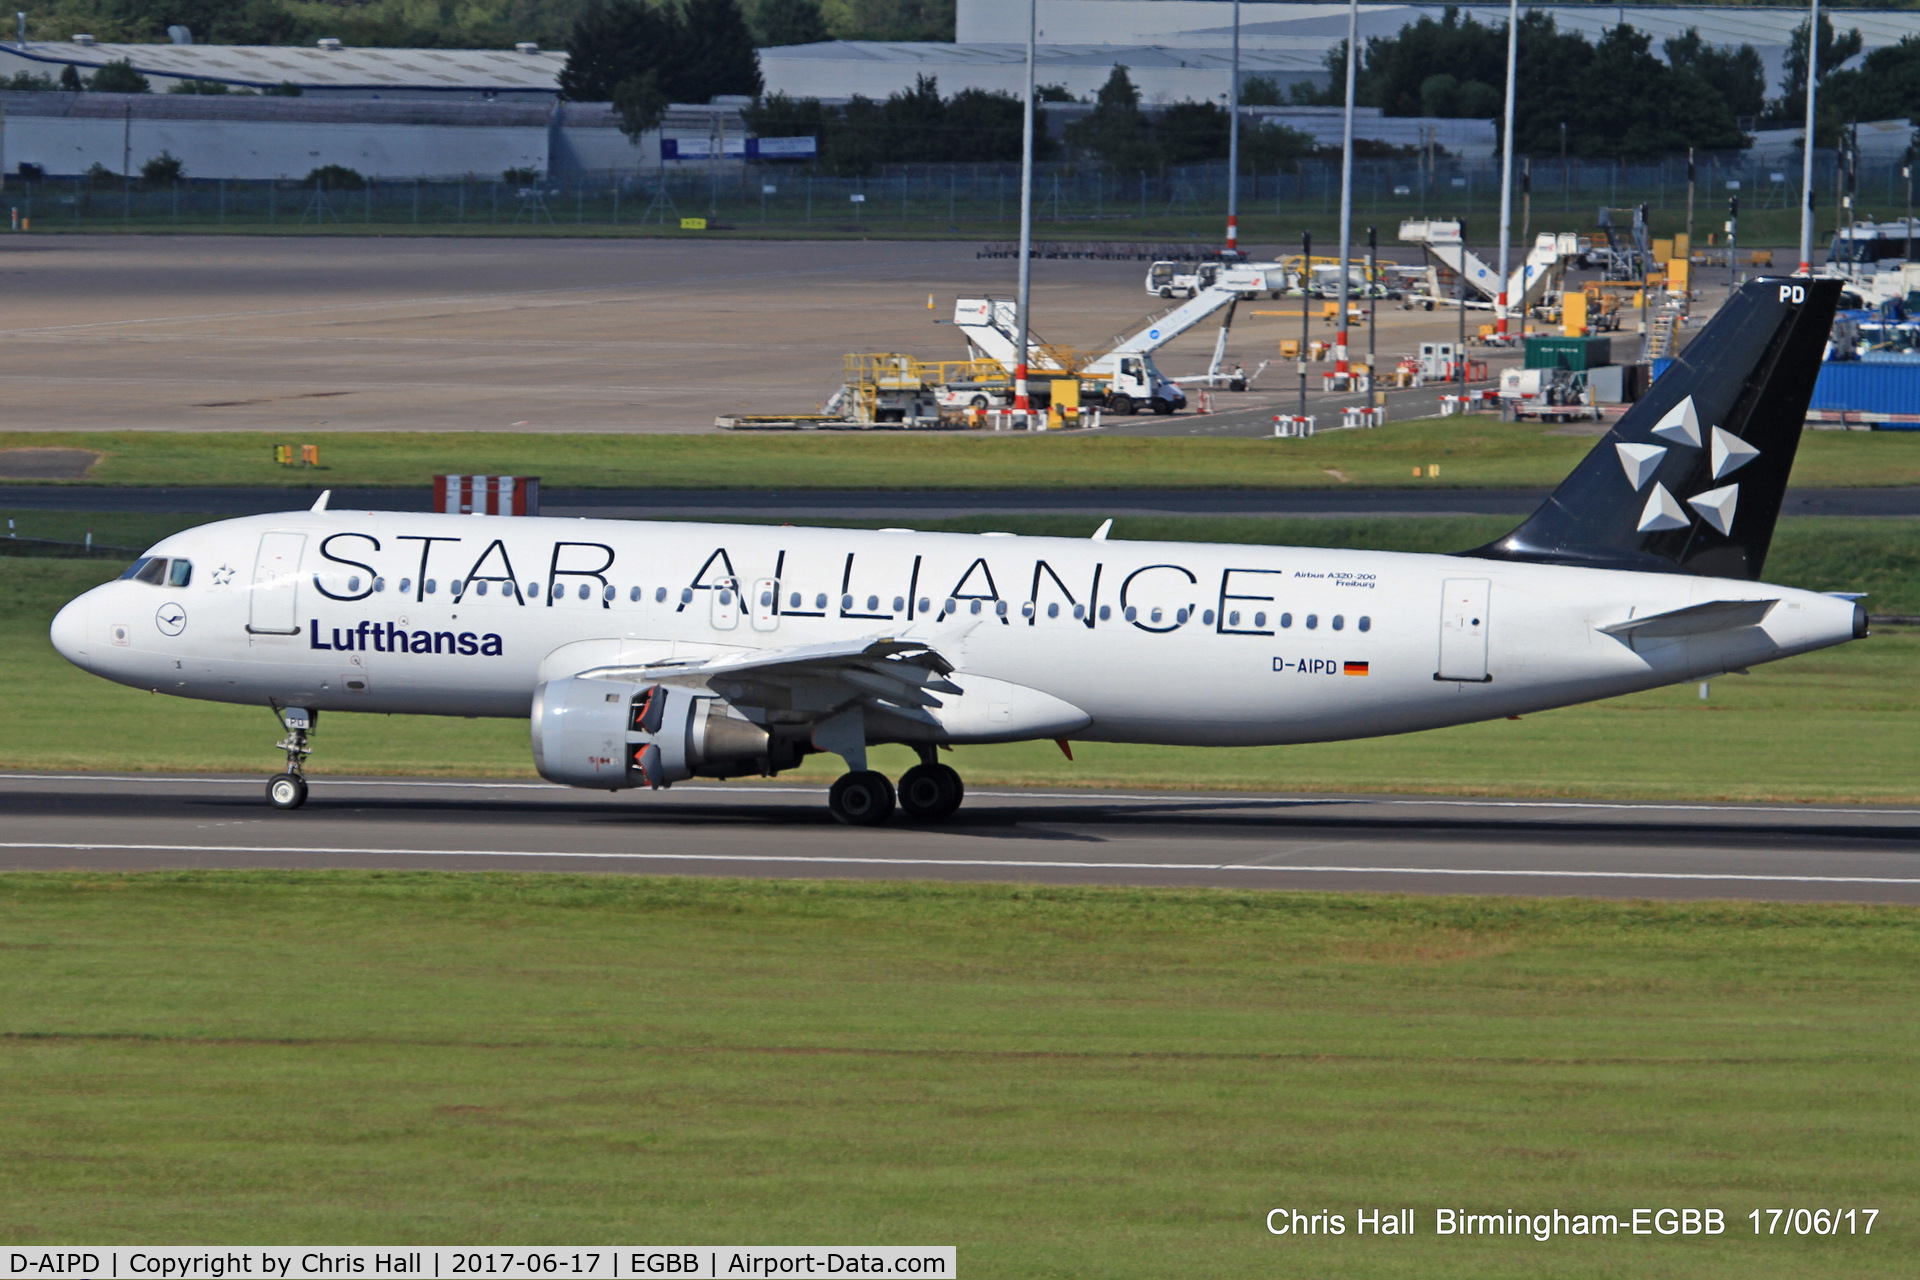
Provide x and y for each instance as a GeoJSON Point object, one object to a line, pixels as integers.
{"type": "Point", "coordinates": [289, 790]}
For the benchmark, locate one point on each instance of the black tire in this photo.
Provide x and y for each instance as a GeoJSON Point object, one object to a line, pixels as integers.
{"type": "Point", "coordinates": [1161, 407]}
{"type": "Point", "coordinates": [930, 792]}
{"type": "Point", "coordinates": [286, 791]}
{"type": "Point", "coordinates": [1166, 292]}
{"type": "Point", "coordinates": [978, 402]}
{"type": "Point", "coordinates": [861, 799]}
{"type": "Point", "coordinates": [1122, 405]}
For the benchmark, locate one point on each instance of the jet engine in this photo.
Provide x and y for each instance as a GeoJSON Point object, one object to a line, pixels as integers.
{"type": "Point", "coordinates": [613, 734]}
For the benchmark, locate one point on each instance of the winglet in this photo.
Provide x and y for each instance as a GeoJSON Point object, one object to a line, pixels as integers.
{"type": "Point", "coordinates": [1106, 527]}
{"type": "Point", "coordinates": [320, 503]}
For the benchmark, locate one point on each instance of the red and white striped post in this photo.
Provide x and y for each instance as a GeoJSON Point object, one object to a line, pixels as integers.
{"type": "Point", "coordinates": [487, 495]}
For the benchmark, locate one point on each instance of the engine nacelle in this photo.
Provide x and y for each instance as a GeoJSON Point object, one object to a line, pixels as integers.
{"type": "Point", "coordinates": [612, 734]}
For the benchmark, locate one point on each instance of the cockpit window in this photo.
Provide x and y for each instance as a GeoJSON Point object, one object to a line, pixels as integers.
{"type": "Point", "coordinates": [153, 572]}
{"type": "Point", "coordinates": [133, 570]}
{"type": "Point", "coordinates": [179, 573]}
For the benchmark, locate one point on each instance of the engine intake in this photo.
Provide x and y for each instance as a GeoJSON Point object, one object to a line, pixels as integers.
{"type": "Point", "coordinates": [611, 734]}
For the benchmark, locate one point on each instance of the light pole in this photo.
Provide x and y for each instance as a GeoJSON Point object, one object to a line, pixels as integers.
{"type": "Point", "coordinates": [1806, 159]}
{"type": "Point", "coordinates": [1689, 201]}
{"type": "Point", "coordinates": [1342, 370]}
{"type": "Point", "coordinates": [1233, 141]}
{"type": "Point", "coordinates": [1506, 172]}
{"type": "Point", "coordinates": [1020, 402]}
{"type": "Point", "coordinates": [1460, 347]}
{"type": "Point", "coordinates": [1306, 325]}
{"type": "Point", "coordinates": [1906, 171]}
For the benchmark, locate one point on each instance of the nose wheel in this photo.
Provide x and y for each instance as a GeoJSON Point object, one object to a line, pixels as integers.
{"type": "Point", "coordinates": [930, 792]}
{"type": "Point", "coordinates": [286, 791]}
{"type": "Point", "coordinates": [289, 790]}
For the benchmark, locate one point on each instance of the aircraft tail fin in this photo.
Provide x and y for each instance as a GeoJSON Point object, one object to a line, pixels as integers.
{"type": "Point", "coordinates": [1690, 480]}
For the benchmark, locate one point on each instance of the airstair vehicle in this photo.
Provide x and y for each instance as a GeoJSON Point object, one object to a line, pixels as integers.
{"type": "Point", "coordinates": [1539, 273]}
{"type": "Point", "coordinates": [1122, 379]}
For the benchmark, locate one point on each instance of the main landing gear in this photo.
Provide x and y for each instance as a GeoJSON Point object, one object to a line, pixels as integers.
{"type": "Point", "coordinates": [289, 790]}
{"type": "Point", "coordinates": [928, 792]}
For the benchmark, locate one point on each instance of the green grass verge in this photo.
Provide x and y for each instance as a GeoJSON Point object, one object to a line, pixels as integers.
{"type": "Point", "coordinates": [1473, 452]}
{"type": "Point", "coordinates": [1261, 229]}
{"type": "Point", "coordinates": [1833, 726]}
{"type": "Point", "coordinates": [1062, 1082]}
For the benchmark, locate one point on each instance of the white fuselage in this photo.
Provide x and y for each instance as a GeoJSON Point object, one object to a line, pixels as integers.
{"type": "Point", "coordinates": [1154, 642]}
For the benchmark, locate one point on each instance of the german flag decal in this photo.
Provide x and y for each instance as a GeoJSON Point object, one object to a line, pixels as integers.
{"type": "Point", "coordinates": [1354, 668]}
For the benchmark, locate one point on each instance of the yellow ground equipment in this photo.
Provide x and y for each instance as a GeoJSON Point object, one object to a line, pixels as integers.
{"type": "Point", "coordinates": [885, 386]}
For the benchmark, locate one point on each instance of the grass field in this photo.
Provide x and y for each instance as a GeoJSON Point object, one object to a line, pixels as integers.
{"type": "Point", "coordinates": [1260, 228]}
{"type": "Point", "coordinates": [1473, 452]}
{"type": "Point", "coordinates": [1062, 1082]}
{"type": "Point", "coordinates": [1836, 725]}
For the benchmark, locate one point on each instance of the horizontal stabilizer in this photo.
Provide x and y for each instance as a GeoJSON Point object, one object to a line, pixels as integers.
{"type": "Point", "coordinates": [1695, 619]}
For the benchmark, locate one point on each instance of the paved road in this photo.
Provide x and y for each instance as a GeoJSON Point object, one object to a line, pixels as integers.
{"type": "Point", "coordinates": [1402, 844]}
{"type": "Point", "coordinates": [905, 504]}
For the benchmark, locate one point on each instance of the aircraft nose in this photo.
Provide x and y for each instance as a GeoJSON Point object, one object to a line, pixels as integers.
{"type": "Point", "coordinates": [69, 630]}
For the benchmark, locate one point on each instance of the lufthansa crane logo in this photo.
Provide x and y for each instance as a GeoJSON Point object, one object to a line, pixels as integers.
{"type": "Point", "coordinates": [171, 619]}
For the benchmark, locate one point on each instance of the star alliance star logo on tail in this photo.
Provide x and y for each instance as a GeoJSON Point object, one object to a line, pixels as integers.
{"type": "Point", "coordinates": [1681, 426]}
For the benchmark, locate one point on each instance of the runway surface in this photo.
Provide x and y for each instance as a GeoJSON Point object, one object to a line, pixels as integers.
{"type": "Point", "coordinates": [1221, 840]}
{"type": "Point", "coordinates": [902, 504]}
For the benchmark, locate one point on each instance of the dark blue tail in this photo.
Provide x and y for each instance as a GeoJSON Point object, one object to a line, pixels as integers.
{"type": "Point", "coordinates": [1692, 478]}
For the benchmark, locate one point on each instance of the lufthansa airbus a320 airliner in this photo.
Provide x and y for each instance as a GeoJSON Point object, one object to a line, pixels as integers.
{"type": "Point", "coordinates": [645, 653]}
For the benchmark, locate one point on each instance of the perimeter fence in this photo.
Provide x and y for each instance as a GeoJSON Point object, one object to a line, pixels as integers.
{"type": "Point", "coordinates": [929, 199]}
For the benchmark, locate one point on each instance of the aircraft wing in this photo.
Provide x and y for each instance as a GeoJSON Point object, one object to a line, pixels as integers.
{"type": "Point", "coordinates": [885, 670]}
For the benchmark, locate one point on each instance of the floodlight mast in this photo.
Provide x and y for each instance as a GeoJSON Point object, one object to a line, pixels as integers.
{"type": "Point", "coordinates": [1506, 169]}
{"type": "Point", "coordinates": [1806, 148]}
{"type": "Point", "coordinates": [1020, 402]}
{"type": "Point", "coordinates": [1342, 370]}
{"type": "Point", "coordinates": [1233, 141]}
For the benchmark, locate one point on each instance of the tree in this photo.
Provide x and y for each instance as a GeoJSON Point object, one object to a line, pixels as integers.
{"type": "Point", "coordinates": [118, 77]}
{"type": "Point", "coordinates": [984, 127]}
{"type": "Point", "coordinates": [1884, 87]}
{"type": "Point", "coordinates": [1115, 131]}
{"type": "Point", "coordinates": [1267, 147]}
{"type": "Point", "coordinates": [1622, 102]}
{"type": "Point", "coordinates": [1259, 91]}
{"type": "Point", "coordinates": [613, 43]}
{"type": "Point", "coordinates": [70, 79]}
{"type": "Point", "coordinates": [717, 56]}
{"type": "Point", "coordinates": [163, 170]}
{"type": "Point", "coordinates": [781, 22]}
{"type": "Point", "coordinates": [889, 19]}
{"type": "Point", "coordinates": [198, 86]}
{"type": "Point", "coordinates": [1192, 131]}
{"type": "Point", "coordinates": [1791, 106]}
{"type": "Point", "coordinates": [334, 177]}
{"type": "Point", "coordinates": [1737, 75]}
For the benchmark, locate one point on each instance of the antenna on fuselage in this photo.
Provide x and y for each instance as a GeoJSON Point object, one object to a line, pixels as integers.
{"type": "Point", "coordinates": [320, 503]}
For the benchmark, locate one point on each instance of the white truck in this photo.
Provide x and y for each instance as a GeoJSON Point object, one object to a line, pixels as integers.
{"type": "Point", "coordinates": [1170, 279]}
{"type": "Point", "coordinates": [1122, 379]}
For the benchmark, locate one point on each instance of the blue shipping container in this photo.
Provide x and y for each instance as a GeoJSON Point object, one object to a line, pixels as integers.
{"type": "Point", "coordinates": [1662, 363]}
{"type": "Point", "coordinates": [1857, 387]}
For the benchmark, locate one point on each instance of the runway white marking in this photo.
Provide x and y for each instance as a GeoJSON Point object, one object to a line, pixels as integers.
{"type": "Point", "coordinates": [1162, 797]}
{"type": "Point", "coordinates": [998, 863]}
